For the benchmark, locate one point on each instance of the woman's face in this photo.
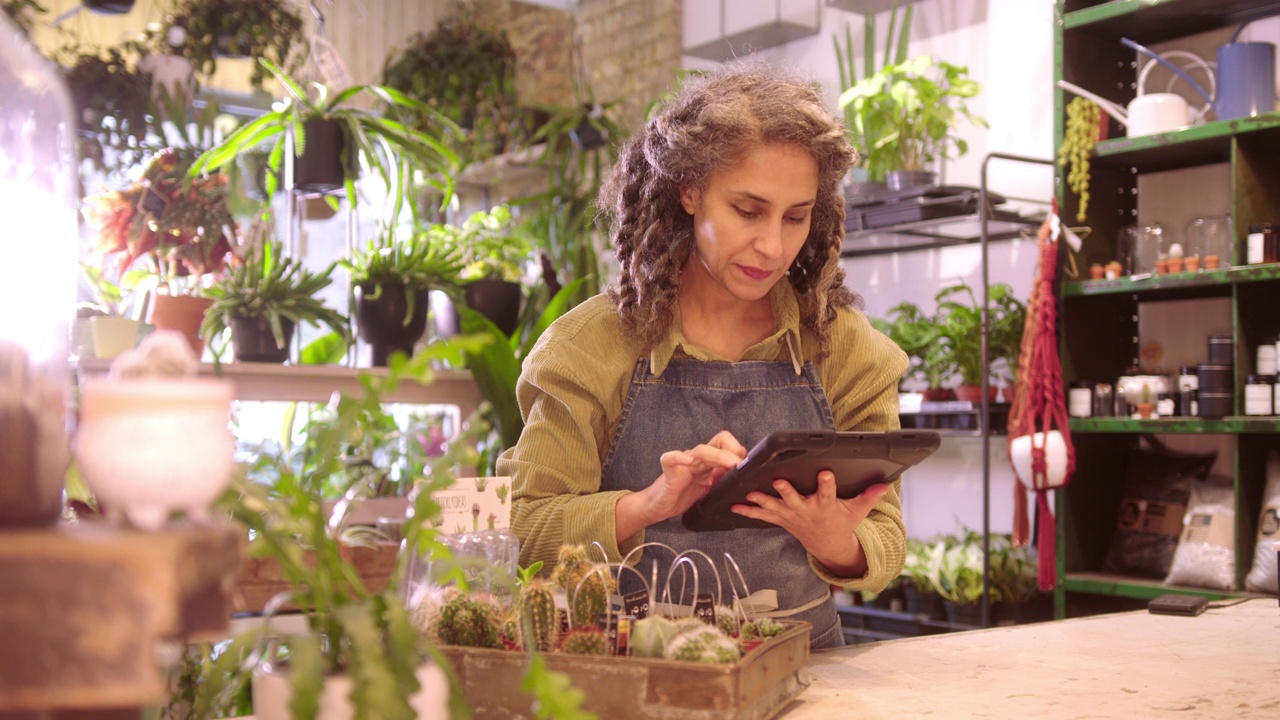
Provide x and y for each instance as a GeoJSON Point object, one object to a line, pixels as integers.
{"type": "Point", "coordinates": [751, 220]}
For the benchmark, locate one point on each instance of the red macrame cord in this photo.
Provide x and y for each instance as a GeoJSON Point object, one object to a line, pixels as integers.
{"type": "Point", "coordinates": [1040, 405]}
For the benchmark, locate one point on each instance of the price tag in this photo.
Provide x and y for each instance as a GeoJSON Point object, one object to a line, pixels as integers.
{"type": "Point", "coordinates": [704, 608]}
{"type": "Point", "coordinates": [636, 603]}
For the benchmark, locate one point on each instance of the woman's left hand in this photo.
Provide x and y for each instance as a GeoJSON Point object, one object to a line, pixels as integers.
{"type": "Point", "coordinates": [822, 522]}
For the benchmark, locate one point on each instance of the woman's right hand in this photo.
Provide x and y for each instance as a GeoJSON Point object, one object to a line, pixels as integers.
{"type": "Point", "coordinates": [687, 477]}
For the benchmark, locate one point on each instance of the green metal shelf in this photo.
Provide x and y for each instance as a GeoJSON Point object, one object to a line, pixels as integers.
{"type": "Point", "coordinates": [1180, 425]}
{"type": "Point", "coordinates": [1202, 279]}
{"type": "Point", "coordinates": [1198, 145]}
{"type": "Point", "coordinates": [1139, 588]}
{"type": "Point", "coordinates": [1149, 21]}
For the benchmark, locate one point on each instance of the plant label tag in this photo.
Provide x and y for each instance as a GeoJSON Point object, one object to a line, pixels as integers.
{"type": "Point", "coordinates": [636, 603]}
{"type": "Point", "coordinates": [704, 608]}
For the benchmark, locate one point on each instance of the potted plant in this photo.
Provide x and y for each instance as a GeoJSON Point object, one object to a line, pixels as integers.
{"type": "Point", "coordinates": [204, 30]}
{"type": "Point", "coordinates": [1145, 406]}
{"type": "Point", "coordinates": [1012, 576]}
{"type": "Point", "coordinates": [104, 327]}
{"type": "Point", "coordinates": [919, 593]}
{"type": "Point", "coordinates": [179, 228]}
{"type": "Point", "coordinates": [913, 109]}
{"type": "Point", "coordinates": [391, 279]}
{"type": "Point", "coordinates": [960, 322]}
{"type": "Point", "coordinates": [957, 575]}
{"type": "Point", "coordinates": [331, 138]}
{"type": "Point", "coordinates": [112, 102]}
{"type": "Point", "coordinates": [920, 337]}
{"type": "Point", "coordinates": [263, 298]}
{"type": "Point", "coordinates": [494, 251]}
{"type": "Point", "coordinates": [868, 174]}
{"type": "Point", "coordinates": [466, 72]}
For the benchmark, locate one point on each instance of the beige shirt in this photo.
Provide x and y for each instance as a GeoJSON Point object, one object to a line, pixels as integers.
{"type": "Point", "coordinates": [571, 391]}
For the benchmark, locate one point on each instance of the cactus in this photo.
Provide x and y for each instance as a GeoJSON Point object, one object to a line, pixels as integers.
{"type": "Point", "coordinates": [425, 605]}
{"type": "Point", "coordinates": [539, 616]}
{"type": "Point", "coordinates": [727, 620]}
{"type": "Point", "coordinates": [571, 567]}
{"type": "Point", "coordinates": [704, 645]}
{"type": "Point", "coordinates": [650, 635]}
{"type": "Point", "coordinates": [509, 634]}
{"type": "Point", "coordinates": [760, 629]}
{"type": "Point", "coordinates": [481, 484]}
{"type": "Point", "coordinates": [591, 598]}
{"type": "Point", "coordinates": [471, 622]}
{"type": "Point", "coordinates": [585, 641]}
{"type": "Point", "coordinates": [501, 492]}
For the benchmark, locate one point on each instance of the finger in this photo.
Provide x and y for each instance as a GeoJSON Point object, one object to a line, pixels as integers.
{"type": "Point", "coordinates": [714, 456]}
{"type": "Point", "coordinates": [787, 492]}
{"type": "Point", "coordinates": [862, 505]}
{"type": "Point", "coordinates": [675, 459]}
{"type": "Point", "coordinates": [726, 441]}
{"type": "Point", "coordinates": [826, 486]}
{"type": "Point", "coordinates": [755, 513]}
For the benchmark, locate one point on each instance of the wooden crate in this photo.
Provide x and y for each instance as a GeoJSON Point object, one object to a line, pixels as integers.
{"type": "Point", "coordinates": [756, 687]}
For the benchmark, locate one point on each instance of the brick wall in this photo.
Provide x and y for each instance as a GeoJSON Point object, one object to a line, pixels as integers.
{"type": "Point", "coordinates": [630, 49]}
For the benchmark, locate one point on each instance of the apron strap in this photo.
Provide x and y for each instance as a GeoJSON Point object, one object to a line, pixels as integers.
{"type": "Point", "coordinates": [791, 350]}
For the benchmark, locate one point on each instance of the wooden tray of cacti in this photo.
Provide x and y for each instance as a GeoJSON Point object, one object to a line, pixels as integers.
{"type": "Point", "coordinates": [756, 686]}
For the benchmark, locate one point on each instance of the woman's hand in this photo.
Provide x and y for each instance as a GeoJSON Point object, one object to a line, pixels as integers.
{"type": "Point", "coordinates": [687, 477]}
{"type": "Point", "coordinates": [822, 522]}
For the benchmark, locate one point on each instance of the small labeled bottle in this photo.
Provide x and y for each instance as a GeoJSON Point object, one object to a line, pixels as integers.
{"type": "Point", "coordinates": [1258, 395]}
{"type": "Point", "coordinates": [1266, 356]}
{"type": "Point", "coordinates": [1080, 399]}
{"type": "Point", "coordinates": [1262, 244]}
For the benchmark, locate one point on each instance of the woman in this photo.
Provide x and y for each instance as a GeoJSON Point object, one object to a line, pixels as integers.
{"type": "Point", "coordinates": [729, 320]}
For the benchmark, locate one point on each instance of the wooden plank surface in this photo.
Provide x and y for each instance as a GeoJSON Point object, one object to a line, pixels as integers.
{"type": "Point", "coordinates": [1222, 664]}
{"type": "Point", "coordinates": [82, 607]}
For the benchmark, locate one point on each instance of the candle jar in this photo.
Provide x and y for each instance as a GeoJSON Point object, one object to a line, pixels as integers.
{"type": "Point", "coordinates": [1258, 395]}
{"type": "Point", "coordinates": [1263, 244]}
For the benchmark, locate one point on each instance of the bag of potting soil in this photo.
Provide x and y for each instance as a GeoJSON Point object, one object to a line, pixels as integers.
{"type": "Point", "coordinates": [1263, 576]}
{"type": "Point", "coordinates": [1152, 504]}
{"type": "Point", "coordinates": [1206, 555]}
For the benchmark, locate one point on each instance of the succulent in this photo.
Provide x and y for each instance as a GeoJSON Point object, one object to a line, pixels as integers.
{"type": "Point", "coordinates": [510, 631]}
{"type": "Point", "coordinates": [585, 641]}
{"type": "Point", "coordinates": [760, 629]}
{"type": "Point", "coordinates": [727, 620]}
{"type": "Point", "coordinates": [471, 622]}
{"type": "Point", "coordinates": [650, 635]}
{"type": "Point", "coordinates": [705, 645]}
{"type": "Point", "coordinates": [590, 599]}
{"type": "Point", "coordinates": [425, 604]}
{"type": "Point", "coordinates": [538, 608]}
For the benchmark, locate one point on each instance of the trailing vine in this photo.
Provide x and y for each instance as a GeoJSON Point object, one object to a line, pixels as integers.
{"type": "Point", "coordinates": [1077, 145]}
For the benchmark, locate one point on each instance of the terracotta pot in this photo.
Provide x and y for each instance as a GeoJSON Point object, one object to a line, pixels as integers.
{"type": "Point", "coordinates": [973, 393]}
{"type": "Point", "coordinates": [1192, 263]}
{"type": "Point", "coordinates": [939, 394]}
{"type": "Point", "coordinates": [1145, 409]}
{"type": "Point", "coordinates": [181, 313]}
{"type": "Point", "coordinates": [1097, 271]}
{"type": "Point", "coordinates": [1175, 265]}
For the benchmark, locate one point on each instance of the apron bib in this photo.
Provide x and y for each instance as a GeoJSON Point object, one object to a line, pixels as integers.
{"type": "Point", "coordinates": [687, 405]}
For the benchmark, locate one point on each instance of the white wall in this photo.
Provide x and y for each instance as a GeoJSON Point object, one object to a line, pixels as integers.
{"type": "Point", "coordinates": [1008, 47]}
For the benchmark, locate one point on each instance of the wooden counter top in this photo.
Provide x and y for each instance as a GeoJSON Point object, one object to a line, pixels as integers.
{"type": "Point", "coordinates": [1222, 664]}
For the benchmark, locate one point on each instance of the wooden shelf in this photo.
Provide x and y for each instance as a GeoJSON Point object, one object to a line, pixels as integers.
{"type": "Point", "coordinates": [1204, 282]}
{"type": "Point", "coordinates": [318, 383]}
{"type": "Point", "coordinates": [86, 604]}
{"type": "Point", "coordinates": [1263, 425]}
{"type": "Point", "coordinates": [1097, 583]}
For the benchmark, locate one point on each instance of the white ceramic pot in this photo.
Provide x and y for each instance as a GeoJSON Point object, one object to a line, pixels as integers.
{"type": "Point", "coordinates": [1055, 459]}
{"type": "Point", "coordinates": [113, 335]}
{"type": "Point", "coordinates": [272, 693]}
{"type": "Point", "coordinates": [1157, 113]}
{"type": "Point", "coordinates": [147, 447]}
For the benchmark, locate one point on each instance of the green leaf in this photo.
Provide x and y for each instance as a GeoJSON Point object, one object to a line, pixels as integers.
{"type": "Point", "coordinates": [306, 676]}
{"type": "Point", "coordinates": [325, 350]}
{"type": "Point", "coordinates": [496, 371]}
{"type": "Point", "coordinates": [553, 693]}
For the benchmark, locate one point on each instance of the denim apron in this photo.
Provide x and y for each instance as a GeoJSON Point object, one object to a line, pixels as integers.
{"type": "Point", "coordinates": [691, 402]}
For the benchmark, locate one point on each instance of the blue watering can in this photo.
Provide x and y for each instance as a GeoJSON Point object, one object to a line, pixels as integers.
{"type": "Point", "coordinates": [1246, 78]}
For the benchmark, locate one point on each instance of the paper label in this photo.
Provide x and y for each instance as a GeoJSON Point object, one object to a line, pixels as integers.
{"type": "Point", "coordinates": [636, 604]}
{"type": "Point", "coordinates": [1269, 523]}
{"type": "Point", "coordinates": [1210, 529]}
{"type": "Point", "coordinates": [1151, 516]}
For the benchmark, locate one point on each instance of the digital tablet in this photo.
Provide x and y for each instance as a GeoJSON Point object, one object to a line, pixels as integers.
{"type": "Point", "coordinates": [858, 459]}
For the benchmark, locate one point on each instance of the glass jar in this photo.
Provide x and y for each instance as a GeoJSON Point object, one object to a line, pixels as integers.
{"type": "Point", "coordinates": [1080, 399]}
{"type": "Point", "coordinates": [1210, 240]}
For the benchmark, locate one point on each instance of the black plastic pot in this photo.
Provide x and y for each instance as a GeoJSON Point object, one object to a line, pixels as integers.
{"type": "Point", "coordinates": [498, 300]}
{"type": "Point", "coordinates": [964, 613]}
{"type": "Point", "coordinates": [928, 604]}
{"type": "Point", "coordinates": [380, 319]}
{"type": "Point", "coordinates": [319, 168]}
{"type": "Point", "coordinates": [109, 7]}
{"type": "Point", "coordinates": [252, 340]}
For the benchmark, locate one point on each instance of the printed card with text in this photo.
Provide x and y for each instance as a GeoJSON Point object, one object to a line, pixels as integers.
{"type": "Point", "coordinates": [473, 504]}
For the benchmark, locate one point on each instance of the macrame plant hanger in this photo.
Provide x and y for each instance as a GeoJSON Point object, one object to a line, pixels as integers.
{"type": "Point", "coordinates": [1039, 411]}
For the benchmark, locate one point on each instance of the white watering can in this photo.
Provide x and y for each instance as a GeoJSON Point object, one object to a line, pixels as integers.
{"type": "Point", "coordinates": [1151, 113]}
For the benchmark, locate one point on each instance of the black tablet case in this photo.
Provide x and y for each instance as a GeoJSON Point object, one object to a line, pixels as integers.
{"type": "Point", "coordinates": [858, 459]}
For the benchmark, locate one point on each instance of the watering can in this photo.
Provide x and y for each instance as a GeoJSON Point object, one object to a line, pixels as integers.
{"type": "Point", "coordinates": [1158, 112]}
{"type": "Point", "coordinates": [1246, 78]}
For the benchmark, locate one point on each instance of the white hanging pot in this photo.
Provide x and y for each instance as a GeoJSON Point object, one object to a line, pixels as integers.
{"type": "Point", "coordinates": [1055, 457]}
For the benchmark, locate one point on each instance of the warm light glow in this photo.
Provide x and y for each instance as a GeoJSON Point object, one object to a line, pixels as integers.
{"type": "Point", "coordinates": [38, 201]}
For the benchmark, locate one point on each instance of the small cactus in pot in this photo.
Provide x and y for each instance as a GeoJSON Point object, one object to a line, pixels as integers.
{"type": "Point", "coordinates": [471, 622]}
{"type": "Point", "coordinates": [585, 641]}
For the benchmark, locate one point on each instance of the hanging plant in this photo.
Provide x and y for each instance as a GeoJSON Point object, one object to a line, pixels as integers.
{"type": "Point", "coordinates": [466, 72]}
{"type": "Point", "coordinates": [113, 100]}
{"type": "Point", "coordinates": [204, 30]}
